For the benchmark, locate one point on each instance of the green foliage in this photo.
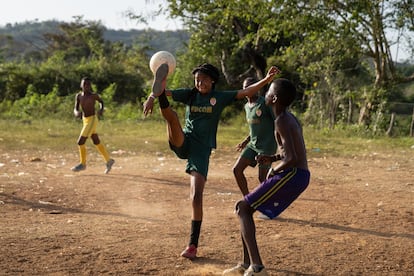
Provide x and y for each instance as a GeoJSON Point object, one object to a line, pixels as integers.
{"type": "Point", "coordinates": [50, 105]}
{"type": "Point", "coordinates": [76, 52]}
{"type": "Point", "coordinates": [128, 111]}
{"type": "Point", "coordinates": [302, 39]}
{"type": "Point", "coordinates": [35, 105]}
{"type": "Point", "coordinates": [327, 48]}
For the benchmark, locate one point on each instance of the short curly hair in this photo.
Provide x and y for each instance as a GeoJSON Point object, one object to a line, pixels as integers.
{"type": "Point", "coordinates": [284, 90]}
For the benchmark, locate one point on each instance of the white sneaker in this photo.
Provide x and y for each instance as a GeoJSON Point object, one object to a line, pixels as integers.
{"type": "Point", "coordinates": [250, 272]}
{"type": "Point", "coordinates": [237, 270]}
{"type": "Point", "coordinates": [159, 76]}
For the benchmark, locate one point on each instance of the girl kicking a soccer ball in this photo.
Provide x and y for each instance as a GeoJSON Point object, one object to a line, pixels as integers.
{"type": "Point", "coordinates": [195, 141]}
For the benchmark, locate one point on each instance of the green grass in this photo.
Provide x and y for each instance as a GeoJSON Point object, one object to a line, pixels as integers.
{"type": "Point", "coordinates": [60, 135]}
{"type": "Point", "coordinates": [347, 143]}
{"type": "Point", "coordinates": [149, 135]}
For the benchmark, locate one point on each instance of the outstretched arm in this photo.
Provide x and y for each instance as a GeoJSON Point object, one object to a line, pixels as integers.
{"type": "Point", "coordinates": [254, 88]}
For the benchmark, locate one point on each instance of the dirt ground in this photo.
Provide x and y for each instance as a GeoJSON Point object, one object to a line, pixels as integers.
{"type": "Point", "coordinates": [355, 218]}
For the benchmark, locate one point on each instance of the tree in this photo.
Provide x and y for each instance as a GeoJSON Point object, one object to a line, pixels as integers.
{"type": "Point", "coordinates": [371, 21]}
{"type": "Point", "coordinates": [234, 32]}
{"type": "Point", "coordinates": [404, 24]}
{"type": "Point", "coordinates": [327, 42]}
{"type": "Point", "coordinates": [78, 39]}
{"type": "Point", "coordinates": [298, 36]}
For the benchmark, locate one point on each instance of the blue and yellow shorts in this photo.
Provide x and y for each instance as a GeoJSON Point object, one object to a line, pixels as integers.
{"type": "Point", "coordinates": [275, 194]}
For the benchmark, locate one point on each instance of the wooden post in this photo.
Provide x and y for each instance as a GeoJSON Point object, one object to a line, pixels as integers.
{"type": "Point", "coordinates": [412, 125]}
{"type": "Point", "coordinates": [392, 120]}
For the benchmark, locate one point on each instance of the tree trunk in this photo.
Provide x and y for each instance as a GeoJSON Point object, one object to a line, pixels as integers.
{"type": "Point", "coordinates": [364, 115]}
{"type": "Point", "coordinates": [350, 110]}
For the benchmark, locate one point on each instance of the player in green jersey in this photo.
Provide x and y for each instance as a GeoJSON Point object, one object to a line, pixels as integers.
{"type": "Point", "coordinates": [260, 140]}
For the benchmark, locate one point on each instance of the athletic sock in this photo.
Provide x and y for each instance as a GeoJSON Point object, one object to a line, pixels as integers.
{"type": "Point", "coordinates": [82, 154]}
{"type": "Point", "coordinates": [163, 101]}
{"type": "Point", "coordinates": [103, 151]}
{"type": "Point", "coordinates": [195, 232]}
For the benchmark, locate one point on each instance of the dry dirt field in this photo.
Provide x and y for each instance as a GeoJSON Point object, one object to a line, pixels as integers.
{"type": "Point", "coordinates": [355, 218]}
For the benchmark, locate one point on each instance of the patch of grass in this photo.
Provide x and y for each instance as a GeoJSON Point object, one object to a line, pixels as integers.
{"type": "Point", "coordinates": [346, 143]}
{"type": "Point", "coordinates": [60, 135]}
{"type": "Point", "coordinates": [37, 134]}
{"type": "Point", "coordinates": [149, 136]}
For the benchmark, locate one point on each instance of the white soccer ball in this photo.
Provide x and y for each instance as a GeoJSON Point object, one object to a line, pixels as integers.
{"type": "Point", "coordinates": [162, 57]}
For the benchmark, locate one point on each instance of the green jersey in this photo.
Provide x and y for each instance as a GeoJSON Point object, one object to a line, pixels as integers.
{"type": "Point", "coordinates": [261, 119]}
{"type": "Point", "coordinates": [203, 112]}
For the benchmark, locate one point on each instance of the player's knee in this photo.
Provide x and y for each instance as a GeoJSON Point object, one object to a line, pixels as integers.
{"type": "Point", "coordinates": [82, 140]}
{"type": "Point", "coordinates": [237, 170]}
{"type": "Point", "coordinates": [236, 207]}
{"type": "Point", "coordinates": [241, 207]}
{"type": "Point", "coordinates": [95, 139]}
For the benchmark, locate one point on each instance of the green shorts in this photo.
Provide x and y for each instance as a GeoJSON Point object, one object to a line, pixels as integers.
{"type": "Point", "coordinates": [197, 155]}
{"type": "Point", "coordinates": [250, 154]}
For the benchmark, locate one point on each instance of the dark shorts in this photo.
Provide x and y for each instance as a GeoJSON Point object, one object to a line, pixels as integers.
{"type": "Point", "coordinates": [275, 194]}
{"type": "Point", "coordinates": [197, 155]}
{"type": "Point", "coordinates": [250, 154]}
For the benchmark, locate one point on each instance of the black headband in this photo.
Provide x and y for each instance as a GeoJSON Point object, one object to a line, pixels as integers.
{"type": "Point", "coordinates": [209, 70]}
